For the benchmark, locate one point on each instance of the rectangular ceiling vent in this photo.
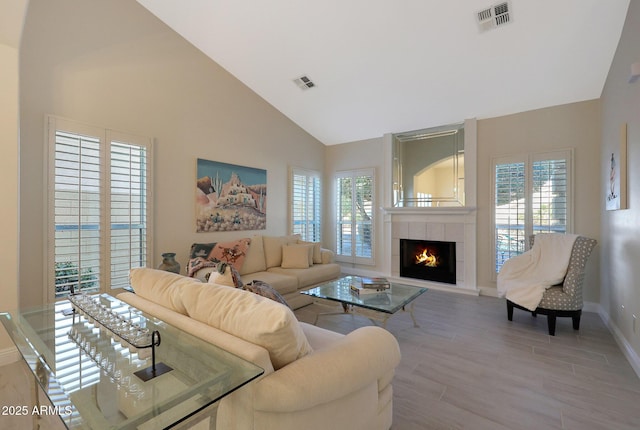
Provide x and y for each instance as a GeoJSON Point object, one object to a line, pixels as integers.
{"type": "Point", "coordinates": [494, 16]}
{"type": "Point", "coordinates": [304, 82]}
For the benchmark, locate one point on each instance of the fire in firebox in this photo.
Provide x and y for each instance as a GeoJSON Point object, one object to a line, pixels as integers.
{"type": "Point", "coordinates": [426, 258]}
{"type": "Point", "coordinates": [429, 260]}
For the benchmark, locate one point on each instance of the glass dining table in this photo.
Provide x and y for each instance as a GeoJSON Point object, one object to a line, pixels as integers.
{"type": "Point", "coordinates": [92, 377]}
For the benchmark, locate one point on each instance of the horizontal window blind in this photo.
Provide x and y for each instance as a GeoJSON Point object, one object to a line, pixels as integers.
{"type": "Point", "coordinates": [306, 215]}
{"type": "Point", "coordinates": [549, 201]}
{"type": "Point", "coordinates": [509, 211]}
{"type": "Point", "coordinates": [77, 206]}
{"type": "Point", "coordinates": [128, 211]}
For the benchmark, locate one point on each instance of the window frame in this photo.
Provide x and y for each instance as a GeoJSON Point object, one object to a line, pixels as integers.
{"type": "Point", "coordinates": [310, 175]}
{"type": "Point", "coordinates": [353, 258]}
{"type": "Point", "coordinates": [106, 137]}
{"type": "Point", "coordinates": [529, 159]}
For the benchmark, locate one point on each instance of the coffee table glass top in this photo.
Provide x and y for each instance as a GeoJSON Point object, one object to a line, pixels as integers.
{"type": "Point", "coordinates": [88, 375]}
{"type": "Point", "coordinates": [389, 301]}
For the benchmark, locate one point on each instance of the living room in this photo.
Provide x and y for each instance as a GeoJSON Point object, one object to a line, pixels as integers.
{"type": "Point", "coordinates": [145, 79]}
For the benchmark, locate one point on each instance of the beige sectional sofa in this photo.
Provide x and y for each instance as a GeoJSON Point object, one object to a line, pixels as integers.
{"type": "Point", "coordinates": [313, 378]}
{"type": "Point", "coordinates": [264, 261]}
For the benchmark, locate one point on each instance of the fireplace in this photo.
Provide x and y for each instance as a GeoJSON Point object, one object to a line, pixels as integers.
{"type": "Point", "coordinates": [429, 260]}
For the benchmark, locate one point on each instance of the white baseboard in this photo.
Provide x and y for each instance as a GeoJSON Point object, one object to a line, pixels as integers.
{"type": "Point", "coordinates": [9, 355]}
{"type": "Point", "coordinates": [488, 291]}
{"type": "Point", "coordinates": [625, 346]}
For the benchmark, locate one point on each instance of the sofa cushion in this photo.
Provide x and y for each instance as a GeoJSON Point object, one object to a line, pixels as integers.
{"type": "Point", "coordinates": [296, 256]}
{"type": "Point", "coordinates": [273, 248]}
{"type": "Point", "coordinates": [284, 284]}
{"type": "Point", "coordinates": [163, 288]}
{"type": "Point", "coordinates": [254, 259]}
{"type": "Point", "coordinates": [251, 317]}
{"type": "Point", "coordinates": [312, 275]}
{"type": "Point", "coordinates": [317, 254]}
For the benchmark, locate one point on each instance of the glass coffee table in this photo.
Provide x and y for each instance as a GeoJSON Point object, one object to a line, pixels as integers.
{"type": "Point", "coordinates": [377, 307]}
{"type": "Point", "coordinates": [91, 377]}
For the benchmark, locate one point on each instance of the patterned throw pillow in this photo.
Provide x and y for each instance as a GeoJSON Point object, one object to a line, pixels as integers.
{"type": "Point", "coordinates": [233, 252]}
{"type": "Point", "coordinates": [210, 254]}
{"type": "Point", "coordinates": [265, 290]}
{"type": "Point", "coordinates": [201, 249]}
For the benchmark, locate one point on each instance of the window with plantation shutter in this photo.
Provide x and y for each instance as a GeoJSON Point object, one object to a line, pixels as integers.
{"type": "Point", "coordinates": [532, 194]}
{"type": "Point", "coordinates": [354, 216]}
{"type": "Point", "coordinates": [99, 200]}
{"type": "Point", "coordinates": [305, 215]}
{"type": "Point", "coordinates": [128, 210]}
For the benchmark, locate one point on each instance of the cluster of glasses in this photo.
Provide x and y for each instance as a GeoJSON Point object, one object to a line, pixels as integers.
{"type": "Point", "coordinates": [107, 365]}
{"type": "Point", "coordinates": [130, 334]}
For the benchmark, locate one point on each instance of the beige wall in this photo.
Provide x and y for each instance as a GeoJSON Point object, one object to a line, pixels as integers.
{"type": "Point", "coordinates": [576, 126]}
{"type": "Point", "coordinates": [9, 189]}
{"type": "Point", "coordinates": [115, 65]}
{"type": "Point", "coordinates": [12, 13]}
{"type": "Point", "coordinates": [620, 244]}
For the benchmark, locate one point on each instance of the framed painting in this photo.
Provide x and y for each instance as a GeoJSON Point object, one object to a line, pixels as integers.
{"type": "Point", "coordinates": [616, 197]}
{"type": "Point", "coordinates": [230, 197]}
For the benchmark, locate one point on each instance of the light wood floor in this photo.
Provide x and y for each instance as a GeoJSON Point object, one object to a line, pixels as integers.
{"type": "Point", "coordinates": [467, 367]}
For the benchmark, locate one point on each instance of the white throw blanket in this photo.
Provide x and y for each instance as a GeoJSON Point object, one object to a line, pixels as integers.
{"type": "Point", "coordinates": [524, 278]}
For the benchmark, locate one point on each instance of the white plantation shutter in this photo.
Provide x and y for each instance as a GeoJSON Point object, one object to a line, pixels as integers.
{"type": "Point", "coordinates": [99, 198]}
{"type": "Point", "coordinates": [531, 195]}
{"type": "Point", "coordinates": [76, 208]}
{"type": "Point", "coordinates": [305, 214]}
{"type": "Point", "coordinates": [128, 210]}
{"type": "Point", "coordinates": [354, 216]}
{"type": "Point", "coordinates": [549, 196]}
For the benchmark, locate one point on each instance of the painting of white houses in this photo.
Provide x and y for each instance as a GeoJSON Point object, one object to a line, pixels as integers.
{"type": "Point", "coordinates": [230, 197]}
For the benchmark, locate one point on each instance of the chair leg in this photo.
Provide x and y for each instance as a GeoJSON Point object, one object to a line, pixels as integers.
{"type": "Point", "coordinates": [576, 320]}
{"type": "Point", "coordinates": [551, 323]}
{"type": "Point", "coordinates": [509, 310]}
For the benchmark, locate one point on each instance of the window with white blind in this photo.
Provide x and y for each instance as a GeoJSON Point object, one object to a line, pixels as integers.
{"type": "Point", "coordinates": [98, 206]}
{"type": "Point", "coordinates": [305, 210]}
{"type": "Point", "coordinates": [354, 216]}
{"type": "Point", "coordinates": [531, 194]}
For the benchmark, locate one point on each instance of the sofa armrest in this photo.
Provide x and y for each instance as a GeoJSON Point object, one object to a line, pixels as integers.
{"type": "Point", "coordinates": [327, 255]}
{"type": "Point", "coordinates": [360, 358]}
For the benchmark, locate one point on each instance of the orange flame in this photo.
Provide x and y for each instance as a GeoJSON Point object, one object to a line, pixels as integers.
{"type": "Point", "coordinates": [426, 258]}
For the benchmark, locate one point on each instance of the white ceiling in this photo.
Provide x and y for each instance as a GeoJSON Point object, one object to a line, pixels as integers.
{"type": "Point", "coordinates": [387, 66]}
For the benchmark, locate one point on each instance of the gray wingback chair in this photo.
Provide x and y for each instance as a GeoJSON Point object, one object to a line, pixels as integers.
{"type": "Point", "coordinates": [563, 300]}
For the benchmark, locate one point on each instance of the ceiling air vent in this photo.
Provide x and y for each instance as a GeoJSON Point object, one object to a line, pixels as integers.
{"type": "Point", "coordinates": [494, 16]}
{"type": "Point", "coordinates": [304, 82]}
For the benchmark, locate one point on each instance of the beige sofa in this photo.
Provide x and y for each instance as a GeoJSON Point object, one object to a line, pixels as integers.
{"type": "Point", "coordinates": [264, 262]}
{"type": "Point", "coordinates": [313, 378]}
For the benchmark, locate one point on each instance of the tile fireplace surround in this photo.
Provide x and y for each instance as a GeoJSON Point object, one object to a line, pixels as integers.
{"type": "Point", "coordinates": [454, 224]}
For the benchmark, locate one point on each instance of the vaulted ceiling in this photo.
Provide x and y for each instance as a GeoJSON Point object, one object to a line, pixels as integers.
{"type": "Point", "coordinates": [386, 66]}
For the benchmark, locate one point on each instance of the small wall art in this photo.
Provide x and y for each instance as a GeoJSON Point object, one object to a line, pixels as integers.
{"type": "Point", "coordinates": [616, 197]}
{"type": "Point", "coordinates": [230, 197]}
